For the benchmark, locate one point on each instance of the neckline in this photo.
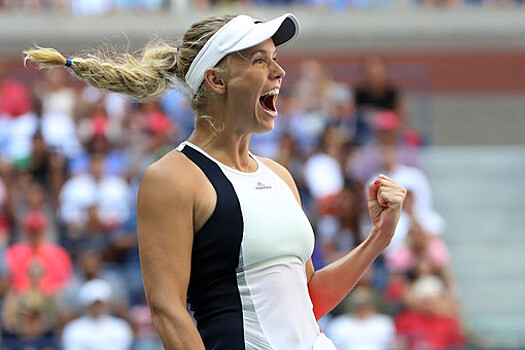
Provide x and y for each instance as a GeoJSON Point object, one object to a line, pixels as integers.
{"type": "Point", "coordinates": [224, 166]}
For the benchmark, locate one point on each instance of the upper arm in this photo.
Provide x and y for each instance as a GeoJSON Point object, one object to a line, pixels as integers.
{"type": "Point", "coordinates": [165, 232]}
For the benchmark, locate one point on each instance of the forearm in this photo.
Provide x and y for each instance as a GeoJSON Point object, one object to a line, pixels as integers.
{"type": "Point", "coordinates": [329, 285]}
{"type": "Point", "coordinates": [177, 330]}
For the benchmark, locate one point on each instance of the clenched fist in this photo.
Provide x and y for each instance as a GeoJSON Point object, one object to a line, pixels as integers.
{"type": "Point", "coordinates": [385, 202]}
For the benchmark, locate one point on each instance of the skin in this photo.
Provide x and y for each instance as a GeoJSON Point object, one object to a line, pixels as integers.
{"type": "Point", "coordinates": [176, 199]}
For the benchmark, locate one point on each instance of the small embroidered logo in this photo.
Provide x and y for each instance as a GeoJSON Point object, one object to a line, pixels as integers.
{"type": "Point", "coordinates": [261, 186]}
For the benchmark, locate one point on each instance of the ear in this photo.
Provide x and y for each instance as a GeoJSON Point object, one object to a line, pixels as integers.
{"type": "Point", "coordinates": [215, 81]}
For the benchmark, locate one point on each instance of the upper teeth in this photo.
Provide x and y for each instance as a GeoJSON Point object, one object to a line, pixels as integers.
{"type": "Point", "coordinates": [274, 91]}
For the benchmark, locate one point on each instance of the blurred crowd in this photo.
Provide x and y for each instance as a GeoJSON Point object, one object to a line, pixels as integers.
{"type": "Point", "coordinates": [71, 160]}
{"type": "Point", "coordinates": [104, 7]}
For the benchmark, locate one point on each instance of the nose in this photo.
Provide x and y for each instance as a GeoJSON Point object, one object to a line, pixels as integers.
{"type": "Point", "coordinates": [277, 71]}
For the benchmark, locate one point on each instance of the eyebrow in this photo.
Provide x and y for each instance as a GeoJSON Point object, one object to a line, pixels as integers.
{"type": "Point", "coordinates": [262, 51]}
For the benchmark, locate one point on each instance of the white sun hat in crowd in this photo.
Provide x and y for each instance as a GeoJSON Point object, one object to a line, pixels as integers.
{"type": "Point", "coordinates": [239, 33]}
{"type": "Point", "coordinates": [94, 290]}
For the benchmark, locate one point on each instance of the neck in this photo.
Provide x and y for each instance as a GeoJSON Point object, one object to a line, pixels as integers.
{"type": "Point", "coordinates": [223, 143]}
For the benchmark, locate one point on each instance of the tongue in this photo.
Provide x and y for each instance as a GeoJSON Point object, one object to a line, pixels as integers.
{"type": "Point", "coordinates": [267, 102]}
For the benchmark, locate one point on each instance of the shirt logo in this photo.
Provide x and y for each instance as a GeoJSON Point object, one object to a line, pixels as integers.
{"type": "Point", "coordinates": [261, 186]}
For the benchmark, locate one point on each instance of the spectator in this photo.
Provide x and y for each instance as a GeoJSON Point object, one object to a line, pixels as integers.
{"type": "Point", "coordinates": [361, 327]}
{"type": "Point", "coordinates": [33, 198]}
{"type": "Point", "coordinates": [60, 134]}
{"type": "Point", "coordinates": [98, 124]}
{"type": "Point", "coordinates": [430, 318]}
{"type": "Point", "coordinates": [20, 122]}
{"type": "Point", "coordinates": [341, 229]}
{"type": "Point", "coordinates": [420, 207]}
{"type": "Point", "coordinates": [162, 132]}
{"type": "Point", "coordinates": [377, 92]}
{"type": "Point", "coordinates": [108, 193]}
{"type": "Point", "coordinates": [387, 133]}
{"type": "Point", "coordinates": [29, 319]}
{"type": "Point", "coordinates": [341, 114]}
{"type": "Point", "coordinates": [37, 253]}
{"type": "Point", "coordinates": [295, 122]}
{"type": "Point", "coordinates": [93, 267]}
{"type": "Point", "coordinates": [414, 180]}
{"type": "Point", "coordinates": [116, 160]}
{"type": "Point", "coordinates": [97, 329]}
{"type": "Point", "coordinates": [322, 171]}
{"type": "Point", "coordinates": [58, 98]}
{"type": "Point", "coordinates": [14, 96]}
{"type": "Point", "coordinates": [45, 167]}
{"type": "Point", "coordinates": [179, 111]}
{"type": "Point", "coordinates": [309, 93]}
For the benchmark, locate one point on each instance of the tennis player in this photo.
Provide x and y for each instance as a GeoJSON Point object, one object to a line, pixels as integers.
{"type": "Point", "coordinates": [218, 226]}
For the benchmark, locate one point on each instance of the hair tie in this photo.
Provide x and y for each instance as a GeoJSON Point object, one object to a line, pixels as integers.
{"type": "Point", "coordinates": [68, 63]}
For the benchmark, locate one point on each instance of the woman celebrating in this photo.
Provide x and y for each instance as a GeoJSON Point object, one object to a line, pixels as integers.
{"type": "Point", "coordinates": [219, 227]}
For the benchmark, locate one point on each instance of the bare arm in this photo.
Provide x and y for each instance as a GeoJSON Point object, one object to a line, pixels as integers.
{"type": "Point", "coordinates": [165, 237]}
{"type": "Point", "coordinates": [331, 284]}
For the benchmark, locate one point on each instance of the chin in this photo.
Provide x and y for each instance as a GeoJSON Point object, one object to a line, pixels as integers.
{"type": "Point", "coordinates": [263, 126]}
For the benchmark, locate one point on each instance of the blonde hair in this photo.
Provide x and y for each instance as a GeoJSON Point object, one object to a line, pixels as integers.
{"type": "Point", "coordinates": [160, 66]}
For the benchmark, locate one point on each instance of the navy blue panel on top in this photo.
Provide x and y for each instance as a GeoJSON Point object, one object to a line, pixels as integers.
{"type": "Point", "coordinates": [212, 291]}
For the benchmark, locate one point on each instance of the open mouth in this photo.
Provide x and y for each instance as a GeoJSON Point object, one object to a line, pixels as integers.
{"type": "Point", "coordinates": [268, 100]}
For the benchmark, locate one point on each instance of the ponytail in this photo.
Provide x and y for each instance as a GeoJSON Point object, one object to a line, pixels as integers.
{"type": "Point", "coordinates": [143, 79]}
{"type": "Point", "coordinates": [160, 66]}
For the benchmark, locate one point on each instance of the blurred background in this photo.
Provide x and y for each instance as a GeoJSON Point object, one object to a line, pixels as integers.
{"type": "Point", "coordinates": [429, 92]}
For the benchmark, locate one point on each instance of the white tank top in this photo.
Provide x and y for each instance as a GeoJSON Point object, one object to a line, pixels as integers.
{"type": "Point", "coordinates": [275, 243]}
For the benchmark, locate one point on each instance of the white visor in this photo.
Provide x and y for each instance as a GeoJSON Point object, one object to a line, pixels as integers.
{"type": "Point", "coordinates": [238, 34]}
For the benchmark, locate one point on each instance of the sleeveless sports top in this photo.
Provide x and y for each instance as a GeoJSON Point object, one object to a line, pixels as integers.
{"type": "Point", "coordinates": [248, 287]}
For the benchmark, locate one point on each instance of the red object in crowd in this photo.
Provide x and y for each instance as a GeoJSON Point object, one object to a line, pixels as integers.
{"type": "Point", "coordinates": [53, 260]}
{"type": "Point", "coordinates": [424, 331]}
{"type": "Point", "coordinates": [158, 123]}
{"type": "Point", "coordinates": [14, 98]}
{"type": "Point", "coordinates": [34, 221]}
{"type": "Point", "coordinates": [5, 229]}
{"type": "Point", "coordinates": [99, 124]}
{"type": "Point", "coordinates": [412, 138]}
{"type": "Point", "coordinates": [386, 121]}
{"type": "Point", "coordinates": [394, 290]}
{"type": "Point", "coordinates": [328, 205]}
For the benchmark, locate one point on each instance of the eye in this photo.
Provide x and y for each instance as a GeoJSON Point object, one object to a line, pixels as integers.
{"type": "Point", "coordinates": [259, 61]}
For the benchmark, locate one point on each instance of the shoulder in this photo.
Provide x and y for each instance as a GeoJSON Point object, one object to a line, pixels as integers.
{"type": "Point", "coordinates": [283, 173]}
{"type": "Point", "coordinates": [277, 168]}
{"type": "Point", "coordinates": [172, 174]}
{"type": "Point", "coordinates": [171, 189]}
